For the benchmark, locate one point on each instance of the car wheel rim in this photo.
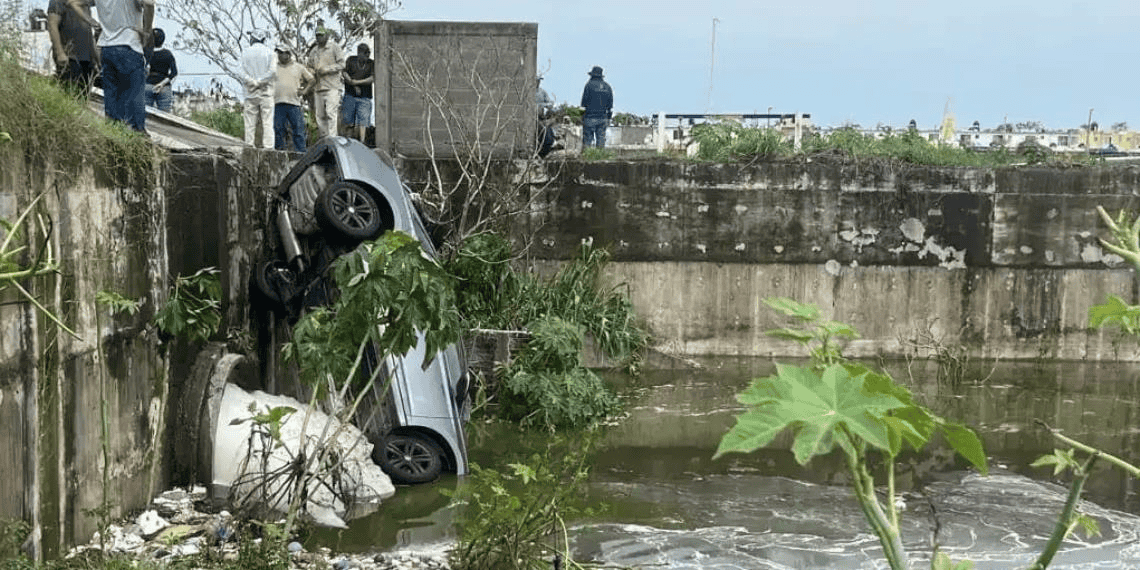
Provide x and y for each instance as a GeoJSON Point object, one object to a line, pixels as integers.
{"type": "Point", "coordinates": [352, 208]}
{"type": "Point", "coordinates": [278, 281]}
{"type": "Point", "coordinates": [410, 457]}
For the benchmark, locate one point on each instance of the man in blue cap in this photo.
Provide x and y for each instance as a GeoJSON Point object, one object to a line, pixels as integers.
{"type": "Point", "coordinates": [598, 102]}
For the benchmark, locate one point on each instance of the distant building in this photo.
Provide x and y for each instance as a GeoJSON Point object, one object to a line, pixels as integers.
{"type": "Point", "coordinates": [35, 44]}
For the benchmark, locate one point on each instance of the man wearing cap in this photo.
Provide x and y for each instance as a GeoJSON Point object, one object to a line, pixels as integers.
{"type": "Point", "coordinates": [326, 59]}
{"type": "Point", "coordinates": [598, 102]}
{"type": "Point", "coordinates": [257, 81]}
{"type": "Point", "coordinates": [123, 30]}
{"type": "Point", "coordinates": [291, 80]}
{"type": "Point", "coordinates": [162, 69]}
{"type": "Point", "coordinates": [357, 103]}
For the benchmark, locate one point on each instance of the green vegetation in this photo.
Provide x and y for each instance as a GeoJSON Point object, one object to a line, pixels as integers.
{"type": "Point", "coordinates": [14, 268]}
{"type": "Point", "coordinates": [838, 403]}
{"type": "Point", "coordinates": [730, 141]}
{"type": "Point", "coordinates": [51, 126]}
{"type": "Point", "coordinates": [226, 120]}
{"type": "Point", "coordinates": [194, 306]}
{"type": "Point", "coordinates": [507, 518]}
{"type": "Point", "coordinates": [388, 291]}
{"type": "Point", "coordinates": [492, 295]}
{"type": "Point", "coordinates": [547, 385]}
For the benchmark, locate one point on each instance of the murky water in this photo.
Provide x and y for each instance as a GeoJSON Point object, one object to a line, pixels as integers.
{"type": "Point", "coordinates": [670, 505]}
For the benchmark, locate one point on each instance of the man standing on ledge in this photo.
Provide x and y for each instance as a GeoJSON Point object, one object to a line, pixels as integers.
{"type": "Point", "coordinates": [257, 109]}
{"type": "Point", "coordinates": [327, 61]}
{"type": "Point", "coordinates": [598, 102]}
{"type": "Point", "coordinates": [126, 29]}
{"type": "Point", "coordinates": [357, 104]}
{"type": "Point", "coordinates": [73, 44]}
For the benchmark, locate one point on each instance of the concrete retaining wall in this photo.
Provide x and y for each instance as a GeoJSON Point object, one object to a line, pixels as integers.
{"type": "Point", "coordinates": [1005, 261]}
{"type": "Point", "coordinates": [85, 419]}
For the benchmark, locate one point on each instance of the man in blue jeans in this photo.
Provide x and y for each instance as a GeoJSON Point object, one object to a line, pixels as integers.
{"type": "Point", "coordinates": [126, 29]}
{"type": "Point", "coordinates": [598, 102]}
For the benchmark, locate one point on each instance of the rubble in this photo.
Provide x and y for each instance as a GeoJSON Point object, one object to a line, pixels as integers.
{"type": "Point", "coordinates": [174, 528]}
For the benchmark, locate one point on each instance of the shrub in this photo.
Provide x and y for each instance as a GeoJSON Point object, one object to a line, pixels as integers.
{"type": "Point", "coordinates": [508, 517]}
{"type": "Point", "coordinates": [226, 120]}
{"type": "Point", "coordinates": [728, 141]}
{"type": "Point", "coordinates": [547, 386]}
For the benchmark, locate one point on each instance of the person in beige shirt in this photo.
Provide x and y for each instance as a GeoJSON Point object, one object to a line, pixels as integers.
{"type": "Point", "coordinates": [326, 59]}
{"type": "Point", "coordinates": [291, 81]}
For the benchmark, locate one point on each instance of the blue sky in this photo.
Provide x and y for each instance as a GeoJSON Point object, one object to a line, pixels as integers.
{"type": "Point", "coordinates": [869, 62]}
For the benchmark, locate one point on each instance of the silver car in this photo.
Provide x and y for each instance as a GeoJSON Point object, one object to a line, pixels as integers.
{"type": "Point", "coordinates": [338, 194]}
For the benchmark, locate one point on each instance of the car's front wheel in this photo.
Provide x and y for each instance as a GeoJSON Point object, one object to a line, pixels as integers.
{"type": "Point", "coordinates": [409, 458]}
{"type": "Point", "coordinates": [349, 211]}
{"type": "Point", "coordinates": [276, 281]}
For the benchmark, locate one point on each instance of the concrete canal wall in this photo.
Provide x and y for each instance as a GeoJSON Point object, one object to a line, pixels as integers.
{"type": "Point", "coordinates": [85, 417]}
{"type": "Point", "coordinates": [1005, 261]}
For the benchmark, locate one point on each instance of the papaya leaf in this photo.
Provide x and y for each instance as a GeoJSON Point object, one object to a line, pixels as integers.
{"type": "Point", "coordinates": [813, 405]}
{"type": "Point", "coordinates": [835, 328]}
{"type": "Point", "coordinates": [793, 308]}
{"type": "Point", "coordinates": [1061, 459]}
{"type": "Point", "coordinates": [1115, 311]}
{"type": "Point", "coordinates": [966, 443]}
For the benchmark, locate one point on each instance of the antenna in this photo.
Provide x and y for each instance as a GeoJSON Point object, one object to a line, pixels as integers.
{"type": "Point", "coordinates": [712, 62]}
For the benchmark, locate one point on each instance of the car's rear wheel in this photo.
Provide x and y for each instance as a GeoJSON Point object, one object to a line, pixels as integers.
{"type": "Point", "coordinates": [276, 281]}
{"type": "Point", "coordinates": [409, 458]}
{"type": "Point", "coordinates": [349, 211]}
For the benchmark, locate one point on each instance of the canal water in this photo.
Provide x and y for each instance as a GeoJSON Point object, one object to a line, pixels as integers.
{"type": "Point", "coordinates": [669, 505]}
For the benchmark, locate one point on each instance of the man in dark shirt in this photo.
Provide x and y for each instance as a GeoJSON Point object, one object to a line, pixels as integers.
{"type": "Point", "coordinates": [598, 102]}
{"type": "Point", "coordinates": [73, 44]}
{"type": "Point", "coordinates": [356, 108]}
{"type": "Point", "coordinates": [163, 70]}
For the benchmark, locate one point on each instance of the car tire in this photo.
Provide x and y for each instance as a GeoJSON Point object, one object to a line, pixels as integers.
{"type": "Point", "coordinates": [349, 211]}
{"type": "Point", "coordinates": [409, 458]}
{"type": "Point", "coordinates": [276, 281]}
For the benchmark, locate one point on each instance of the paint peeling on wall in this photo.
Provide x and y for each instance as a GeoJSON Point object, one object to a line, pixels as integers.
{"type": "Point", "coordinates": [1092, 253]}
{"type": "Point", "coordinates": [914, 231]}
{"type": "Point", "coordinates": [858, 238]}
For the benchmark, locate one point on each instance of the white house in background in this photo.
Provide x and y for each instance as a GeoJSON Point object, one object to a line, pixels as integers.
{"type": "Point", "coordinates": [1059, 140]}
{"type": "Point", "coordinates": [35, 44]}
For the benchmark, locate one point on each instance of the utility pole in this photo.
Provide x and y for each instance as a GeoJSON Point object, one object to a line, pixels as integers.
{"type": "Point", "coordinates": [1088, 134]}
{"type": "Point", "coordinates": [712, 63]}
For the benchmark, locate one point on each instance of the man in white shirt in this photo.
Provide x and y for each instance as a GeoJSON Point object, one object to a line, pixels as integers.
{"type": "Point", "coordinates": [257, 79]}
{"type": "Point", "coordinates": [126, 28]}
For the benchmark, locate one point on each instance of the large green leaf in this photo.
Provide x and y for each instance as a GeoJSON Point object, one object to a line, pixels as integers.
{"type": "Point", "coordinates": [966, 443]}
{"type": "Point", "coordinates": [1115, 311]}
{"type": "Point", "coordinates": [813, 405]}
{"type": "Point", "coordinates": [793, 308]}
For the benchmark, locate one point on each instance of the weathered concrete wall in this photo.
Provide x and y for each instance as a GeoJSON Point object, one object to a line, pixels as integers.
{"type": "Point", "coordinates": [83, 413]}
{"type": "Point", "coordinates": [1006, 261]}
{"type": "Point", "coordinates": [85, 419]}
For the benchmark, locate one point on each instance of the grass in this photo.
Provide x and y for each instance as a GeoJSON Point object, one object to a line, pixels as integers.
{"type": "Point", "coordinates": [51, 126]}
{"type": "Point", "coordinates": [732, 142]}
{"type": "Point", "coordinates": [224, 120]}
